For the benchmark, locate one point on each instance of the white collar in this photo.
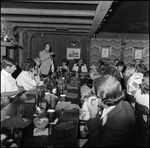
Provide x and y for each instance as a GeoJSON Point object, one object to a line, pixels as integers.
{"type": "Point", "coordinates": [6, 73]}
{"type": "Point", "coordinates": [106, 111]}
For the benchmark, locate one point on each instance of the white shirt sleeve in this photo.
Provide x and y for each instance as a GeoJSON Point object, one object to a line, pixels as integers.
{"type": "Point", "coordinates": [3, 83]}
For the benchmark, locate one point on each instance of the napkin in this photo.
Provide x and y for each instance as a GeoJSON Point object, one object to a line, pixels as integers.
{"type": "Point", "coordinates": [72, 87]}
{"type": "Point", "coordinates": [15, 122]}
{"type": "Point", "coordinates": [71, 95]}
{"type": "Point", "coordinates": [65, 126]}
{"type": "Point", "coordinates": [37, 132]}
{"type": "Point", "coordinates": [66, 106]}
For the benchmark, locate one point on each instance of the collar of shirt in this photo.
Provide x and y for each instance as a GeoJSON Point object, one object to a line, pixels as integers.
{"type": "Point", "coordinates": [106, 111]}
{"type": "Point", "coordinates": [6, 73]}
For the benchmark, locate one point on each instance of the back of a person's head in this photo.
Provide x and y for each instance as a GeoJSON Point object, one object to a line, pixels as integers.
{"type": "Point", "coordinates": [141, 68]}
{"type": "Point", "coordinates": [113, 72]}
{"type": "Point", "coordinates": [109, 89]}
{"type": "Point", "coordinates": [95, 70]}
{"type": "Point", "coordinates": [28, 64]}
{"type": "Point", "coordinates": [130, 70]}
{"type": "Point", "coordinates": [8, 62]}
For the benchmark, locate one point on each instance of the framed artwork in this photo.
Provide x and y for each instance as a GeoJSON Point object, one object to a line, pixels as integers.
{"type": "Point", "coordinates": [138, 53]}
{"type": "Point", "coordinates": [73, 53]}
{"type": "Point", "coordinates": [105, 52]}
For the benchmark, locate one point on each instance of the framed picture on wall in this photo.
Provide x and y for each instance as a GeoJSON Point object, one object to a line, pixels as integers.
{"type": "Point", "coordinates": [105, 52]}
{"type": "Point", "coordinates": [73, 53]}
{"type": "Point", "coordinates": [138, 53]}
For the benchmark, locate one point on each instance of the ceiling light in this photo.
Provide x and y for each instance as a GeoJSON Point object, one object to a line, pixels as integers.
{"type": "Point", "coordinates": [110, 10]}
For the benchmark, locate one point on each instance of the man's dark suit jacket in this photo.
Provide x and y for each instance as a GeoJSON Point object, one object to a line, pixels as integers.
{"type": "Point", "coordinates": [119, 130]}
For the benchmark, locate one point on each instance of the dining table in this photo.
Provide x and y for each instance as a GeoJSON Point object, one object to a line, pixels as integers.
{"type": "Point", "coordinates": [57, 138]}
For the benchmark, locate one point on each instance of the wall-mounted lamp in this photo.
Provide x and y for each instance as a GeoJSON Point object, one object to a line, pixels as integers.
{"type": "Point", "coordinates": [123, 44]}
{"type": "Point", "coordinates": [73, 43]}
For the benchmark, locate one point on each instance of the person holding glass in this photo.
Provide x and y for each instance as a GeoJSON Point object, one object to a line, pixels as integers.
{"type": "Point", "coordinates": [116, 127]}
{"type": "Point", "coordinates": [28, 78]}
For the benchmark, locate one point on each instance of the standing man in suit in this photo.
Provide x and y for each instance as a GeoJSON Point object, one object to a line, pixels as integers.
{"type": "Point", "coordinates": [47, 65]}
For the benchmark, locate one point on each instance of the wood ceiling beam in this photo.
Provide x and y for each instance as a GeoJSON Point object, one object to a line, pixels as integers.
{"type": "Point", "coordinates": [101, 11]}
{"type": "Point", "coordinates": [52, 25]}
{"type": "Point", "coordinates": [47, 12]}
{"type": "Point", "coordinates": [62, 33]}
{"type": "Point", "coordinates": [45, 20]}
{"type": "Point", "coordinates": [67, 30]}
{"type": "Point", "coordinates": [71, 2]}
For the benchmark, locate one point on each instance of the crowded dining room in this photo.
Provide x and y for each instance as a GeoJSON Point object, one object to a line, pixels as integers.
{"type": "Point", "coordinates": [74, 73]}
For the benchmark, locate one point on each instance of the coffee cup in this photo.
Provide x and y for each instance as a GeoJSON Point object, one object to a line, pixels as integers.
{"type": "Point", "coordinates": [51, 115]}
{"type": "Point", "coordinates": [62, 97]}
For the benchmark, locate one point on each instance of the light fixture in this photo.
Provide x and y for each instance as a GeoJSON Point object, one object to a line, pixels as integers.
{"type": "Point", "coordinates": [73, 43]}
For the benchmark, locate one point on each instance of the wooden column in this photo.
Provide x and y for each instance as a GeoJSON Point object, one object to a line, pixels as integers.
{"type": "Point", "coordinates": [20, 50]}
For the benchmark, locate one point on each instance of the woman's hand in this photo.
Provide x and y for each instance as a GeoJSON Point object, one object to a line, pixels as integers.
{"type": "Point", "coordinates": [93, 106]}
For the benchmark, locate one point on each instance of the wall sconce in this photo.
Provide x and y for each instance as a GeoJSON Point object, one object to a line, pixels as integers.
{"type": "Point", "coordinates": [123, 44]}
{"type": "Point", "coordinates": [73, 43]}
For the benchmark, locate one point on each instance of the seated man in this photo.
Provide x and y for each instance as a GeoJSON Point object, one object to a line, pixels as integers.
{"type": "Point", "coordinates": [27, 78]}
{"type": "Point", "coordinates": [9, 86]}
{"type": "Point", "coordinates": [80, 67]}
{"type": "Point", "coordinates": [117, 125]}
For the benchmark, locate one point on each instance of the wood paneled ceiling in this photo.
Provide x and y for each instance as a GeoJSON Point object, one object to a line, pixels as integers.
{"type": "Point", "coordinates": [84, 18]}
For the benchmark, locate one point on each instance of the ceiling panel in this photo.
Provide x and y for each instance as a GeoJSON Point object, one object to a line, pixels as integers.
{"type": "Point", "coordinates": [82, 17]}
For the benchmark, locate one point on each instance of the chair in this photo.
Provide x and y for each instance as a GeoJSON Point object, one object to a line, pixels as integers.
{"type": "Point", "coordinates": [143, 126]}
{"type": "Point", "coordinates": [130, 98]}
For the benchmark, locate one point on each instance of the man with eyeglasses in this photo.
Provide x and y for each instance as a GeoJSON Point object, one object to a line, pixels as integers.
{"type": "Point", "coordinates": [9, 87]}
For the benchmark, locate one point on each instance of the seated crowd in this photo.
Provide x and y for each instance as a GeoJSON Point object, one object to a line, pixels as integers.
{"type": "Point", "coordinates": [111, 119]}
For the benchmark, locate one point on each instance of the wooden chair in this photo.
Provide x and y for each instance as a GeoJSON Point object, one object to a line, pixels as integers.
{"type": "Point", "coordinates": [143, 126]}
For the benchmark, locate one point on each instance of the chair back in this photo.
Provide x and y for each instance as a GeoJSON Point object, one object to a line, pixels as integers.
{"type": "Point", "coordinates": [130, 98]}
{"type": "Point", "coordinates": [141, 109]}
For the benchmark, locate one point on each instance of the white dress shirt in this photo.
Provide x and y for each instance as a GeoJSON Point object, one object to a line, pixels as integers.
{"type": "Point", "coordinates": [105, 112]}
{"type": "Point", "coordinates": [24, 79]}
{"type": "Point", "coordinates": [76, 68]}
{"type": "Point", "coordinates": [8, 83]}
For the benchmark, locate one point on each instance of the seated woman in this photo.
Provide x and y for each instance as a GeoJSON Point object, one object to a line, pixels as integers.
{"type": "Point", "coordinates": [142, 94]}
{"type": "Point", "coordinates": [135, 79]}
{"type": "Point", "coordinates": [64, 67]}
{"type": "Point", "coordinates": [27, 78]}
{"type": "Point", "coordinates": [80, 67]}
{"type": "Point", "coordinates": [117, 125]}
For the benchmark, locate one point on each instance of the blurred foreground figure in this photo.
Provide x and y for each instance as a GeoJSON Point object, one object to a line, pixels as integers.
{"type": "Point", "coordinates": [117, 125]}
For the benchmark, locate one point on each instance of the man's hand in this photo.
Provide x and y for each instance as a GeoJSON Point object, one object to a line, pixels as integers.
{"type": "Point", "coordinates": [93, 106]}
{"type": "Point", "coordinates": [5, 100]}
{"type": "Point", "coordinates": [20, 89]}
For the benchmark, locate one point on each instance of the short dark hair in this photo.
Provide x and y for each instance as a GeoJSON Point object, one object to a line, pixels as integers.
{"type": "Point", "coordinates": [8, 62]}
{"type": "Point", "coordinates": [28, 64]}
{"type": "Point", "coordinates": [116, 60]}
{"type": "Point", "coordinates": [65, 61]}
{"type": "Point", "coordinates": [109, 89]}
{"type": "Point", "coordinates": [120, 63]}
{"type": "Point", "coordinates": [47, 44]}
{"type": "Point", "coordinates": [141, 68]}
